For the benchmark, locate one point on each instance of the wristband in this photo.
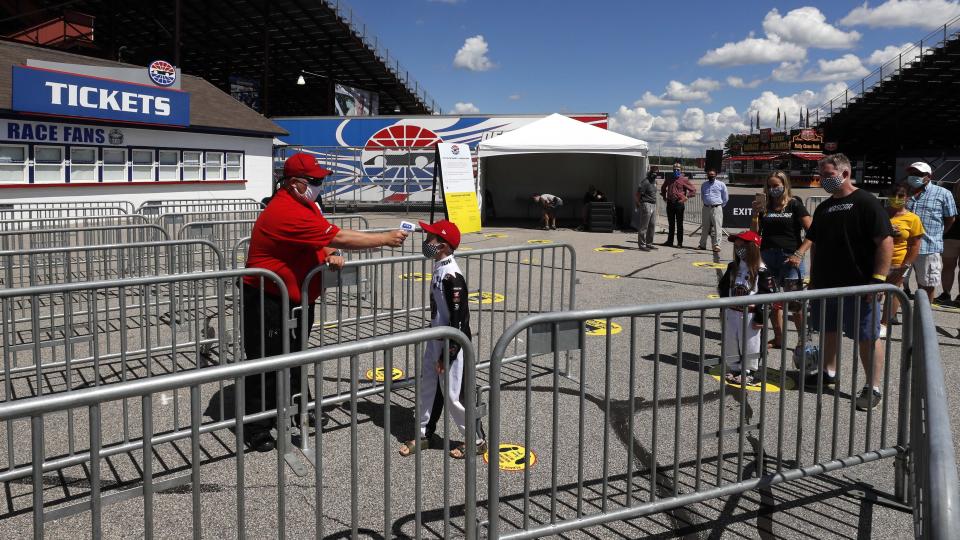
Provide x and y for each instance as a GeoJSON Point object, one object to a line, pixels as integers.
{"type": "Point", "coordinates": [880, 277]}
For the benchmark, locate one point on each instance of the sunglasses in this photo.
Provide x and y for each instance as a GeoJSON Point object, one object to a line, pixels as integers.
{"type": "Point", "coordinates": [311, 180]}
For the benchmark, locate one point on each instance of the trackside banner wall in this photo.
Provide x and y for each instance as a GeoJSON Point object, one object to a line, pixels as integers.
{"type": "Point", "coordinates": [64, 94]}
{"type": "Point", "coordinates": [391, 159]}
{"type": "Point", "coordinates": [459, 187]}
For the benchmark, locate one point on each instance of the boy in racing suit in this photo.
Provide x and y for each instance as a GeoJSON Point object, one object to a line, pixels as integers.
{"type": "Point", "coordinates": [448, 307]}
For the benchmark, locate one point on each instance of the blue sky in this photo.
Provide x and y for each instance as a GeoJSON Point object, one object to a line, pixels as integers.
{"type": "Point", "coordinates": [676, 73]}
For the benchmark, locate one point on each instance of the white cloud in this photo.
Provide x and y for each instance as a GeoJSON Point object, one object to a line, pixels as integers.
{"type": "Point", "coordinates": [694, 130]}
{"type": "Point", "coordinates": [738, 82]}
{"type": "Point", "coordinates": [882, 56]}
{"type": "Point", "coordinates": [844, 68]}
{"type": "Point", "coordinates": [473, 55]}
{"type": "Point", "coordinates": [514, 97]}
{"type": "Point", "coordinates": [677, 92]}
{"type": "Point", "coordinates": [465, 108]}
{"type": "Point", "coordinates": [754, 50]}
{"type": "Point", "coordinates": [808, 27]}
{"type": "Point", "coordinates": [904, 13]}
{"type": "Point", "coordinates": [768, 103]}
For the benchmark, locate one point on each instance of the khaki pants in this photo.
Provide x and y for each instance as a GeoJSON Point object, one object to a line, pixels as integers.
{"type": "Point", "coordinates": [711, 225]}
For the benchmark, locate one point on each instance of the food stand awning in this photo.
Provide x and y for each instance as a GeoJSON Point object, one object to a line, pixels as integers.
{"type": "Point", "coordinates": [752, 157]}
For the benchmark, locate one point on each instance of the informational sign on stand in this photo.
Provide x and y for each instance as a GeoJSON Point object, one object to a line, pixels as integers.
{"type": "Point", "coordinates": [454, 168]}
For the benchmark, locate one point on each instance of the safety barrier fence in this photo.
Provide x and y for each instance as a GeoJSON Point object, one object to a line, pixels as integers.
{"type": "Point", "coordinates": [647, 423]}
{"type": "Point", "coordinates": [410, 247]}
{"type": "Point", "coordinates": [10, 224]}
{"type": "Point", "coordinates": [641, 427]}
{"type": "Point", "coordinates": [18, 240]}
{"type": "Point", "coordinates": [132, 462]}
{"type": "Point", "coordinates": [78, 264]}
{"type": "Point", "coordinates": [175, 202]}
{"type": "Point", "coordinates": [104, 333]}
{"type": "Point", "coordinates": [692, 213]}
{"type": "Point", "coordinates": [192, 207]}
{"type": "Point", "coordinates": [174, 222]}
{"type": "Point", "coordinates": [56, 213]}
{"type": "Point", "coordinates": [379, 297]}
{"type": "Point", "coordinates": [934, 487]}
{"type": "Point", "coordinates": [126, 206]}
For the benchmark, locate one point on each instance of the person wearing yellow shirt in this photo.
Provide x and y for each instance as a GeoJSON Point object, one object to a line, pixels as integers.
{"type": "Point", "coordinates": [907, 233]}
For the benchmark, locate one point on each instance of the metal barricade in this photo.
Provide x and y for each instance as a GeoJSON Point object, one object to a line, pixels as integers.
{"type": "Point", "coordinates": [163, 202]}
{"type": "Point", "coordinates": [78, 264]}
{"type": "Point", "coordinates": [354, 222]}
{"type": "Point", "coordinates": [934, 487]}
{"type": "Point", "coordinates": [139, 458]}
{"type": "Point", "coordinates": [223, 234]}
{"type": "Point", "coordinates": [47, 213]}
{"type": "Point", "coordinates": [19, 240]}
{"type": "Point", "coordinates": [238, 255]}
{"type": "Point", "coordinates": [692, 213]}
{"type": "Point", "coordinates": [174, 222]}
{"type": "Point", "coordinates": [126, 206]}
{"type": "Point", "coordinates": [651, 422]}
{"type": "Point", "coordinates": [380, 297]}
{"type": "Point", "coordinates": [155, 209]}
{"type": "Point", "coordinates": [70, 222]}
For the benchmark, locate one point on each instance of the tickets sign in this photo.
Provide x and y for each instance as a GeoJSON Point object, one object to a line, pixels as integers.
{"type": "Point", "coordinates": [60, 93]}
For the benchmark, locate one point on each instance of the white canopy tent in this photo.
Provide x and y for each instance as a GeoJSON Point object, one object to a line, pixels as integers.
{"type": "Point", "coordinates": [561, 156]}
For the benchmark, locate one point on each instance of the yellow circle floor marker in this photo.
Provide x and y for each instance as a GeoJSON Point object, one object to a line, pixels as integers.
{"type": "Point", "coordinates": [771, 383]}
{"type": "Point", "coordinates": [608, 250]}
{"type": "Point", "coordinates": [495, 235]}
{"type": "Point", "coordinates": [465, 249]}
{"type": "Point", "coordinates": [714, 265]}
{"type": "Point", "coordinates": [379, 377]}
{"type": "Point", "coordinates": [484, 297]}
{"type": "Point", "coordinates": [612, 276]}
{"type": "Point", "coordinates": [513, 457]}
{"type": "Point", "coordinates": [713, 296]}
{"type": "Point", "coordinates": [417, 276]}
{"type": "Point", "coordinates": [539, 241]}
{"type": "Point", "coordinates": [951, 309]}
{"type": "Point", "coordinates": [598, 327]}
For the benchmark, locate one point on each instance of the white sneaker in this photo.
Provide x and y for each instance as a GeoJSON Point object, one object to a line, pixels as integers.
{"type": "Point", "coordinates": [883, 331]}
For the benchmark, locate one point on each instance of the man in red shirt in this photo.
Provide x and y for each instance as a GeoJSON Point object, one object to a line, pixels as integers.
{"type": "Point", "coordinates": [290, 238]}
{"type": "Point", "coordinates": [676, 190]}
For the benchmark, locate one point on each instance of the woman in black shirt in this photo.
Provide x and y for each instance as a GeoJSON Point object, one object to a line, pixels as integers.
{"type": "Point", "coordinates": [780, 222]}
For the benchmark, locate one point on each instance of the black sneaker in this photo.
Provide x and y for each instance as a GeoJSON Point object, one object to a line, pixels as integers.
{"type": "Point", "coordinates": [943, 299]}
{"type": "Point", "coordinates": [829, 381]}
{"type": "Point", "coordinates": [258, 440]}
{"type": "Point", "coordinates": [868, 399]}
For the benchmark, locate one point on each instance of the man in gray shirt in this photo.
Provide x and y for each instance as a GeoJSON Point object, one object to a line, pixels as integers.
{"type": "Point", "coordinates": [645, 200]}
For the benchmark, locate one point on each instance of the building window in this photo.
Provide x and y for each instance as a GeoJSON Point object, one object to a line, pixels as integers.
{"type": "Point", "coordinates": [13, 163]}
{"type": "Point", "coordinates": [234, 165]}
{"type": "Point", "coordinates": [142, 165]}
{"type": "Point", "coordinates": [191, 165]}
{"type": "Point", "coordinates": [48, 164]}
{"type": "Point", "coordinates": [83, 164]}
{"type": "Point", "coordinates": [114, 165]}
{"type": "Point", "coordinates": [169, 165]}
{"type": "Point", "coordinates": [214, 166]}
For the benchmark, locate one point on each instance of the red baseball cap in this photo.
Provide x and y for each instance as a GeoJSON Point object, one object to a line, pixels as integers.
{"type": "Point", "coordinates": [445, 229]}
{"type": "Point", "coordinates": [303, 165]}
{"type": "Point", "coordinates": [746, 236]}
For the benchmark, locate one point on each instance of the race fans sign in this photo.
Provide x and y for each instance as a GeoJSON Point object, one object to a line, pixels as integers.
{"type": "Point", "coordinates": [455, 172]}
{"type": "Point", "coordinates": [65, 94]}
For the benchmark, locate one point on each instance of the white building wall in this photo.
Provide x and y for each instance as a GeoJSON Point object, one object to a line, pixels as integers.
{"type": "Point", "coordinates": [256, 163]}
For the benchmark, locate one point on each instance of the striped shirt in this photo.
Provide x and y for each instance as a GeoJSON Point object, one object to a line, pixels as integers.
{"type": "Point", "coordinates": [933, 205]}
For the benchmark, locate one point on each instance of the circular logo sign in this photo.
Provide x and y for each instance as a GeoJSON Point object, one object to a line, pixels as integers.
{"type": "Point", "coordinates": [378, 375]}
{"type": "Point", "coordinates": [598, 327]}
{"type": "Point", "coordinates": [162, 73]}
{"type": "Point", "coordinates": [513, 457]}
{"type": "Point", "coordinates": [403, 153]}
{"type": "Point", "coordinates": [484, 297]}
{"type": "Point", "coordinates": [455, 149]}
{"type": "Point", "coordinates": [608, 250]}
{"type": "Point", "coordinates": [115, 136]}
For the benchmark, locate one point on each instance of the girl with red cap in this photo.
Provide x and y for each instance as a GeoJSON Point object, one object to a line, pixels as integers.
{"type": "Point", "coordinates": [746, 275]}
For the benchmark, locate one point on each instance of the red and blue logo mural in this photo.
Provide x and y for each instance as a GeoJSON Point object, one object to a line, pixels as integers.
{"type": "Point", "coordinates": [391, 159]}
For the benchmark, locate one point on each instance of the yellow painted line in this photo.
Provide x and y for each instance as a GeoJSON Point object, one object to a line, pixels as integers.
{"type": "Point", "coordinates": [598, 327]}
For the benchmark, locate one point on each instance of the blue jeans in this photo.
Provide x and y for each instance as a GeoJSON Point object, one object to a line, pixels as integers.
{"type": "Point", "coordinates": [776, 262]}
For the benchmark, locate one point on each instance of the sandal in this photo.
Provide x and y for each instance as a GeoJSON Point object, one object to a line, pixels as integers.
{"type": "Point", "coordinates": [460, 451]}
{"type": "Point", "coordinates": [412, 447]}
{"type": "Point", "coordinates": [740, 379]}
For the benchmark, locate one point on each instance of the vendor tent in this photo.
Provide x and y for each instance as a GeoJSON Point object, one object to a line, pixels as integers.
{"type": "Point", "coordinates": [561, 156]}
